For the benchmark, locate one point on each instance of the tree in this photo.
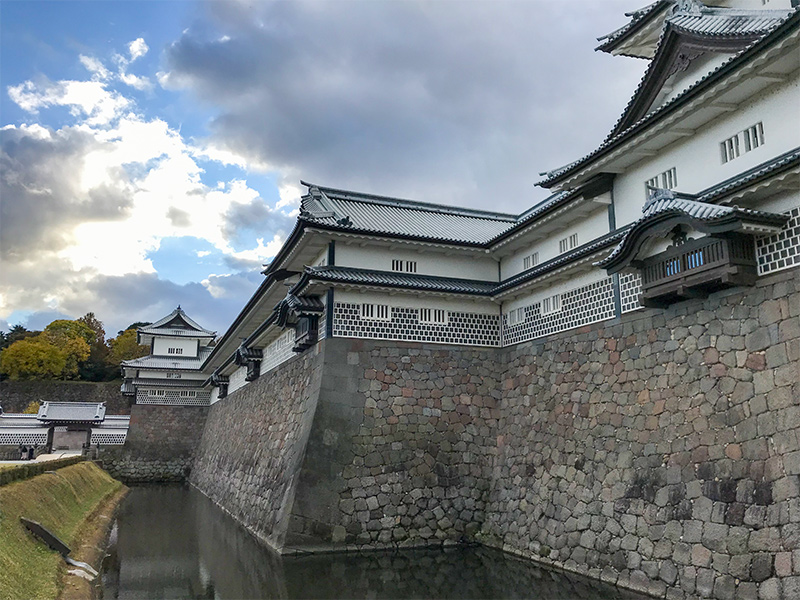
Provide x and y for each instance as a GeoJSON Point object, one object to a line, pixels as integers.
{"type": "Point", "coordinates": [125, 347]}
{"type": "Point", "coordinates": [96, 368]}
{"type": "Point", "coordinates": [32, 358]}
{"type": "Point", "coordinates": [133, 326]}
{"type": "Point", "coordinates": [75, 339]}
{"type": "Point", "coordinates": [32, 408]}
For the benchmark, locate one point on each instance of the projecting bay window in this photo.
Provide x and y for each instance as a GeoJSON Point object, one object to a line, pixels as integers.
{"type": "Point", "coordinates": [741, 143]}
{"type": "Point", "coordinates": [668, 180]}
{"type": "Point", "coordinates": [568, 243]}
{"type": "Point", "coordinates": [376, 312]}
{"type": "Point", "coordinates": [404, 266]}
{"type": "Point", "coordinates": [531, 260]}
{"type": "Point", "coordinates": [551, 304]}
{"type": "Point", "coordinates": [435, 316]}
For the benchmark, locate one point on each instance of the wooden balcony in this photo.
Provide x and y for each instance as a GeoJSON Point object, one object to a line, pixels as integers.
{"type": "Point", "coordinates": [697, 268]}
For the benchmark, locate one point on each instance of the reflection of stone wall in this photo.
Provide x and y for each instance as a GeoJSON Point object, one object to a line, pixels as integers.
{"type": "Point", "coordinates": [16, 395]}
{"type": "Point", "coordinates": [661, 450]}
{"type": "Point", "coordinates": [160, 444]}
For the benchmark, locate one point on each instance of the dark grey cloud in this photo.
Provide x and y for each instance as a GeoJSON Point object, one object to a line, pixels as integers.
{"type": "Point", "coordinates": [243, 222]}
{"type": "Point", "coordinates": [459, 102]}
{"type": "Point", "coordinates": [40, 187]}
{"type": "Point", "coordinates": [178, 217]}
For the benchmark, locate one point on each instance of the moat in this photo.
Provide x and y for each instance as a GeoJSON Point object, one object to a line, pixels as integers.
{"type": "Point", "coordinates": [172, 542]}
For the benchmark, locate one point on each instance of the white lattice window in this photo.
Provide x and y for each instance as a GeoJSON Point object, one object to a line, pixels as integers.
{"type": "Point", "coordinates": [404, 266]}
{"type": "Point", "coordinates": [744, 141]}
{"type": "Point", "coordinates": [175, 351]}
{"type": "Point", "coordinates": [551, 304]}
{"type": "Point", "coordinates": [516, 316]}
{"type": "Point", "coordinates": [530, 261]}
{"type": "Point", "coordinates": [376, 312]}
{"type": "Point", "coordinates": [630, 291]}
{"type": "Point", "coordinates": [668, 180]}
{"type": "Point", "coordinates": [437, 316]}
{"type": "Point", "coordinates": [568, 243]}
{"type": "Point", "coordinates": [172, 375]}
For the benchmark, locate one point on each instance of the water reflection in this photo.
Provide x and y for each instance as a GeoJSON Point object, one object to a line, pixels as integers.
{"type": "Point", "coordinates": [174, 543]}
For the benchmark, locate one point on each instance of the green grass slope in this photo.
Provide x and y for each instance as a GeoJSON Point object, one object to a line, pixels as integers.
{"type": "Point", "coordinates": [63, 502]}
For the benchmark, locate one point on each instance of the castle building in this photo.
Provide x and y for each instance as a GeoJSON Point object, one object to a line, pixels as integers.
{"type": "Point", "coordinates": [170, 374]}
{"type": "Point", "coordinates": [694, 190]}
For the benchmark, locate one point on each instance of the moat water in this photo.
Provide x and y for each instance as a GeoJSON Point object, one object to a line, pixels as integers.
{"type": "Point", "coordinates": [172, 542]}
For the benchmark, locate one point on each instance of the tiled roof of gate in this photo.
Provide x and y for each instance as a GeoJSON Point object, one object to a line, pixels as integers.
{"type": "Point", "coordinates": [72, 411]}
{"type": "Point", "coordinates": [400, 280]}
{"type": "Point", "coordinates": [366, 213]}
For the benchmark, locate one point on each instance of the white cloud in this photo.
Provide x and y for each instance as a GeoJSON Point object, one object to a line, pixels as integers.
{"type": "Point", "coordinates": [95, 67]}
{"type": "Point", "coordinates": [137, 48]}
{"type": "Point", "coordinates": [90, 98]}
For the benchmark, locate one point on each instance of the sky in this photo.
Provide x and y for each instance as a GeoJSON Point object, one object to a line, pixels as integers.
{"type": "Point", "coordinates": [152, 151]}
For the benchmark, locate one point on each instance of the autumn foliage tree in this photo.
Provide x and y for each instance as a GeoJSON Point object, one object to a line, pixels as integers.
{"type": "Point", "coordinates": [126, 347]}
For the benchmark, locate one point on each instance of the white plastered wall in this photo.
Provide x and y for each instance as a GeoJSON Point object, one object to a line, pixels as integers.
{"type": "Point", "coordinates": [161, 346]}
{"type": "Point", "coordinates": [481, 306]}
{"type": "Point", "coordinates": [697, 158]}
{"type": "Point", "coordinates": [560, 287]}
{"type": "Point", "coordinates": [463, 265]}
{"type": "Point", "coordinates": [590, 228]}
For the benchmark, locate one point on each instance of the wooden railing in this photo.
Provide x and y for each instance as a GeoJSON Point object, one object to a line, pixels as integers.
{"type": "Point", "coordinates": [699, 265]}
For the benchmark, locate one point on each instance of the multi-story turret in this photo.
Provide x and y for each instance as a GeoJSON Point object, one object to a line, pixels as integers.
{"type": "Point", "coordinates": [170, 373]}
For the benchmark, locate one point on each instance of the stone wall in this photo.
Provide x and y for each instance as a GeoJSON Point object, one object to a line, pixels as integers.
{"type": "Point", "coordinates": [250, 453]}
{"type": "Point", "coordinates": [15, 396]}
{"type": "Point", "coordinates": [402, 445]}
{"type": "Point", "coordinates": [660, 452]}
{"type": "Point", "coordinates": [160, 445]}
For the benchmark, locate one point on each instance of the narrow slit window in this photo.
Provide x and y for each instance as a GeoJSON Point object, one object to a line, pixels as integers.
{"type": "Point", "coordinates": [516, 316]}
{"type": "Point", "coordinates": [376, 312]}
{"type": "Point", "coordinates": [745, 141]}
{"type": "Point", "coordinates": [530, 261]}
{"type": "Point", "coordinates": [568, 243]}
{"type": "Point", "coordinates": [551, 304]}
{"type": "Point", "coordinates": [436, 316]}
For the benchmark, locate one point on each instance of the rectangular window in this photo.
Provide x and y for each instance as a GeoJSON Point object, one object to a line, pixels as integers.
{"type": "Point", "coordinates": [436, 316]}
{"type": "Point", "coordinates": [175, 351]}
{"type": "Point", "coordinates": [173, 375]}
{"type": "Point", "coordinates": [668, 180]}
{"type": "Point", "coordinates": [155, 392]}
{"type": "Point", "coordinates": [568, 243]}
{"type": "Point", "coordinates": [376, 312]}
{"type": "Point", "coordinates": [551, 304]}
{"type": "Point", "coordinates": [188, 394]}
{"type": "Point", "coordinates": [516, 316]}
{"type": "Point", "coordinates": [404, 266]}
{"type": "Point", "coordinates": [743, 142]}
{"type": "Point", "coordinates": [530, 261]}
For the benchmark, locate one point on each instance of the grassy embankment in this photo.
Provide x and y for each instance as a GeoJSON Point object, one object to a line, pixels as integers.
{"type": "Point", "coordinates": [67, 502]}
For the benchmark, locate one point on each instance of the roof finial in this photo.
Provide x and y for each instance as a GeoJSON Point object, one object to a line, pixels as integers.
{"type": "Point", "coordinates": [179, 308]}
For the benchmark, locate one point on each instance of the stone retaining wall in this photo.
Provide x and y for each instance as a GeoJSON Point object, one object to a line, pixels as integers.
{"type": "Point", "coordinates": [661, 451]}
{"type": "Point", "coordinates": [250, 452]}
{"type": "Point", "coordinates": [160, 445]}
{"type": "Point", "coordinates": [15, 396]}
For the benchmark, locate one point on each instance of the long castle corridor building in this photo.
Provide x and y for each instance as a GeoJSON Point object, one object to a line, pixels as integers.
{"type": "Point", "coordinates": [608, 382]}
